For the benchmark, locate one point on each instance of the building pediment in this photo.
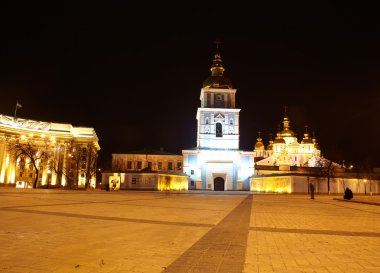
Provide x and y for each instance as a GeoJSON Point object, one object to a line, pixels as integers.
{"type": "Point", "coordinates": [219, 117]}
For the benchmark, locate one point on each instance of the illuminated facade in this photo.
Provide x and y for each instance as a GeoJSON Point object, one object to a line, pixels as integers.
{"type": "Point", "coordinates": [217, 163]}
{"type": "Point", "coordinates": [285, 150]}
{"type": "Point", "coordinates": [148, 180]}
{"type": "Point", "coordinates": [153, 160]}
{"type": "Point", "coordinates": [46, 154]}
{"type": "Point", "coordinates": [289, 166]}
{"type": "Point", "coordinates": [147, 170]}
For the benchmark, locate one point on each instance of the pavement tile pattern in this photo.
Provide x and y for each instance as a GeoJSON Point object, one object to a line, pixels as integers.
{"type": "Point", "coordinates": [222, 249]}
{"type": "Point", "coordinates": [129, 231]}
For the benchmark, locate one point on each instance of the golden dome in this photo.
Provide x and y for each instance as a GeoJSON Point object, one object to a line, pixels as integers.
{"type": "Point", "coordinates": [270, 145]}
{"type": "Point", "coordinates": [286, 132]}
{"type": "Point", "coordinates": [259, 144]}
{"type": "Point", "coordinates": [279, 139]}
{"type": "Point", "coordinates": [306, 139]}
{"type": "Point", "coordinates": [217, 80]}
{"type": "Point", "coordinates": [316, 146]}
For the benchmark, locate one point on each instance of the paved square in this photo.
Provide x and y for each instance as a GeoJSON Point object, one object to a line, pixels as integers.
{"type": "Point", "coordinates": [130, 231]}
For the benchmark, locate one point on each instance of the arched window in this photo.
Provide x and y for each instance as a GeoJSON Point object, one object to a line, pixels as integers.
{"type": "Point", "coordinates": [206, 120]}
{"type": "Point", "coordinates": [231, 122]}
{"type": "Point", "coordinates": [218, 130]}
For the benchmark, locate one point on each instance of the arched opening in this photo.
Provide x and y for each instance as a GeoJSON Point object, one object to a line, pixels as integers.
{"type": "Point", "coordinates": [218, 184]}
{"type": "Point", "coordinates": [218, 130]}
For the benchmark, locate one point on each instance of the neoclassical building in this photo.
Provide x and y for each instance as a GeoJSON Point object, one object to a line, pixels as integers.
{"type": "Point", "coordinates": [217, 163]}
{"type": "Point", "coordinates": [46, 154]}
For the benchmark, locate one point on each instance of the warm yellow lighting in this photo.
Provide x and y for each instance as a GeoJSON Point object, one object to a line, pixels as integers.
{"type": "Point", "coordinates": [365, 180]}
{"type": "Point", "coordinates": [172, 183]}
{"type": "Point", "coordinates": [42, 135]}
{"type": "Point", "coordinates": [2, 175]}
{"type": "Point", "coordinates": [23, 137]}
{"type": "Point", "coordinates": [54, 180]}
{"type": "Point", "coordinates": [271, 184]}
{"type": "Point", "coordinates": [31, 135]}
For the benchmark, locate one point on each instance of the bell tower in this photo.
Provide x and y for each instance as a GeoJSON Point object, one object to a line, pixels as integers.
{"type": "Point", "coordinates": [216, 163]}
{"type": "Point", "coordinates": [218, 119]}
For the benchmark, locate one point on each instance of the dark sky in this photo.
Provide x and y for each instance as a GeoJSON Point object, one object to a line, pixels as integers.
{"type": "Point", "coordinates": [134, 73]}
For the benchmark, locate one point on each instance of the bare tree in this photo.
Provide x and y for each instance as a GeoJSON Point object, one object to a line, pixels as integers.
{"type": "Point", "coordinates": [80, 162]}
{"type": "Point", "coordinates": [32, 148]}
{"type": "Point", "coordinates": [326, 169]}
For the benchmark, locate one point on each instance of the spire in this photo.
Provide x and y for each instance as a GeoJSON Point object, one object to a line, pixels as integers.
{"type": "Point", "coordinates": [286, 132]}
{"type": "Point", "coordinates": [217, 79]}
{"type": "Point", "coordinates": [259, 144]}
{"type": "Point", "coordinates": [285, 110]}
{"type": "Point", "coordinates": [279, 138]}
{"type": "Point", "coordinates": [306, 139]}
{"type": "Point", "coordinates": [270, 145]}
{"type": "Point", "coordinates": [316, 146]}
{"type": "Point", "coordinates": [217, 68]}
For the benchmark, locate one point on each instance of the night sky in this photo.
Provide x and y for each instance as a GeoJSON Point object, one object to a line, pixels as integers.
{"type": "Point", "coordinates": [134, 73]}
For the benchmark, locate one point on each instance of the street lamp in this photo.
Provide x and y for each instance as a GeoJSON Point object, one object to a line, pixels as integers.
{"type": "Point", "coordinates": [365, 186]}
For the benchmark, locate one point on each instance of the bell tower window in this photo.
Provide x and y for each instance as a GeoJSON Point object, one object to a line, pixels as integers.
{"type": "Point", "coordinates": [218, 130]}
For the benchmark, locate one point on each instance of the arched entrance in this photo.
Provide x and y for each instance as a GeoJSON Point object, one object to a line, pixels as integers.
{"type": "Point", "coordinates": [218, 184]}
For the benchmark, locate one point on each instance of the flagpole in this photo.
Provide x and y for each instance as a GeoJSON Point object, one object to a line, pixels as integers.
{"type": "Point", "coordinates": [18, 105]}
{"type": "Point", "coordinates": [16, 109]}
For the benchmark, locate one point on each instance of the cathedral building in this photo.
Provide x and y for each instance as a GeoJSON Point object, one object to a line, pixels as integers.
{"type": "Point", "coordinates": [46, 154]}
{"type": "Point", "coordinates": [286, 150]}
{"type": "Point", "coordinates": [285, 165]}
{"type": "Point", "coordinates": [217, 163]}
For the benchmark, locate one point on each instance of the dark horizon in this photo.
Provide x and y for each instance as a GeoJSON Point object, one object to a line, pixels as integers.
{"type": "Point", "coordinates": [135, 73]}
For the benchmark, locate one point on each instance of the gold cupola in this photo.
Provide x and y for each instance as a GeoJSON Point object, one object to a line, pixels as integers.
{"type": "Point", "coordinates": [316, 146]}
{"type": "Point", "coordinates": [217, 79]}
{"type": "Point", "coordinates": [306, 139]}
{"type": "Point", "coordinates": [286, 132]}
{"type": "Point", "coordinates": [279, 139]}
{"type": "Point", "coordinates": [259, 146]}
{"type": "Point", "coordinates": [270, 145]}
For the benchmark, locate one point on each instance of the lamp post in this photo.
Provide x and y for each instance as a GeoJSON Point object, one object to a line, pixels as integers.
{"type": "Point", "coordinates": [365, 186]}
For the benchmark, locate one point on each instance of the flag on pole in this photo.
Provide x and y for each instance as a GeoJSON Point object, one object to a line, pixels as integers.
{"type": "Point", "coordinates": [18, 105]}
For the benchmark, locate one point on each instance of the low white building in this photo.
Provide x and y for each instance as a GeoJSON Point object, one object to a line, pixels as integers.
{"type": "Point", "coordinates": [154, 160]}
{"type": "Point", "coordinates": [146, 170]}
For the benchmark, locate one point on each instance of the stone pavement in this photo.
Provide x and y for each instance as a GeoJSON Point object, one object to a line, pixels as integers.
{"type": "Point", "coordinates": [98, 231]}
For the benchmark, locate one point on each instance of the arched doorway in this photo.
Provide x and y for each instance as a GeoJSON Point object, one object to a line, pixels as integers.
{"type": "Point", "coordinates": [218, 184]}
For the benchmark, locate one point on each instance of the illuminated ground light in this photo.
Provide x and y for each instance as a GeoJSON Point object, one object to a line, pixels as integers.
{"type": "Point", "coordinates": [275, 185]}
